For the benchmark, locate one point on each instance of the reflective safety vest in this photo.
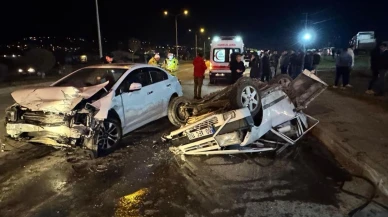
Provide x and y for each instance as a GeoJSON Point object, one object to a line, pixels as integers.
{"type": "Point", "coordinates": [153, 62]}
{"type": "Point", "coordinates": [171, 66]}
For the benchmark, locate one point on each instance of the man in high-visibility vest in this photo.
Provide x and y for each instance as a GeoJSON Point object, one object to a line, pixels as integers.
{"type": "Point", "coordinates": [171, 64]}
{"type": "Point", "coordinates": [154, 60]}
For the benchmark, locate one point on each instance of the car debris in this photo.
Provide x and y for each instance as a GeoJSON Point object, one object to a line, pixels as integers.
{"type": "Point", "coordinates": [92, 107]}
{"type": "Point", "coordinates": [249, 116]}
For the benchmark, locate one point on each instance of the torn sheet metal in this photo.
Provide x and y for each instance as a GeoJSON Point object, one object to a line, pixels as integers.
{"type": "Point", "coordinates": [103, 105]}
{"type": "Point", "coordinates": [54, 99]}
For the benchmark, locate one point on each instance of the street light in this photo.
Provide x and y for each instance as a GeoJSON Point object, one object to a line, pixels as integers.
{"type": "Point", "coordinates": [185, 12]}
{"type": "Point", "coordinates": [201, 30]}
{"type": "Point", "coordinates": [306, 37]}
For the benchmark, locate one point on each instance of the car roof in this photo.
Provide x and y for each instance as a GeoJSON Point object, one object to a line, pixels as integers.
{"type": "Point", "coordinates": [119, 65]}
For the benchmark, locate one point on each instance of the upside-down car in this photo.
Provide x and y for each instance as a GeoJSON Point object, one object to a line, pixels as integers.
{"type": "Point", "coordinates": [249, 116]}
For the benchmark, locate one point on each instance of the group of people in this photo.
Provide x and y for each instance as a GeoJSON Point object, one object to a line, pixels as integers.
{"type": "Point", "coordinates": [170, 63]}
{"type": "Point", "coordinates": [265, 66]}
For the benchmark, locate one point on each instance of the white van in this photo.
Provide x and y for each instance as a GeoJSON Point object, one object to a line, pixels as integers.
{"type": "Point", "coordinates": [220, 50]}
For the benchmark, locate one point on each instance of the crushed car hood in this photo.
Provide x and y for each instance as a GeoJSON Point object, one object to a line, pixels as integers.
{"type": "Point", "coordinates": [54, 99]}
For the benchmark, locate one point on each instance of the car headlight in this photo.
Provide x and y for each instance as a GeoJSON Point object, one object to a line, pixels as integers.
{"type": "Point", "coordinates": [228, 115]}
{"type": "Point", "coordinates": [11, 115]}
{"type": "Point", "coordinates": [31, 70]}
{"type": "Point", "coordinates": [20, 70]}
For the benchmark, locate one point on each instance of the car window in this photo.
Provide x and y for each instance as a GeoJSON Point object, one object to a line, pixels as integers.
{"type": "Point", "coordinates": [92, 76]}
{"type": "Point", "coordinates": [223, 55]}
{"type": "Point", "coordinates": [136, 76]}
{"type": "Point", "coordinates": [157, 75]}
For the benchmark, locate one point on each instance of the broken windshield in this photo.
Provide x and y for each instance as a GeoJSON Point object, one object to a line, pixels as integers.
{"type": "Point", "coordinates": [92, 76]}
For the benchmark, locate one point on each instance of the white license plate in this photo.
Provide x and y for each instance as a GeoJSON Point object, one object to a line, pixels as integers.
{"type": "Point", "coordinates": [200, 133]}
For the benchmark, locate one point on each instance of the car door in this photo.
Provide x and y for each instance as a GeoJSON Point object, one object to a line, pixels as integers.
{"type": "Point", "coordinates": [163, 91]}
{"type": "Point", "coordinates": [135, 104]}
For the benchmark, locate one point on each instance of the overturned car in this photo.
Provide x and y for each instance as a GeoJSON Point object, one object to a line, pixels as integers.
{"type": "Point", "coordinates": [92, 107]}
{"type": "Point", "coordinates": [249, 116]}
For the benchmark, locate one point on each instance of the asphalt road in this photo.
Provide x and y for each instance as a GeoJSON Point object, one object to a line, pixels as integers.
{"type": "Point", "coordinates": [143, 178]}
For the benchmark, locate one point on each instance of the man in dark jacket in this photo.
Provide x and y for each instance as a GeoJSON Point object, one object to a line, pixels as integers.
{"type": "Point", "coordinates": [199, 75]}
{"type": "Point", "coordinates": [254, 65]}
{"type": "Point", "coordinates": [308, 61]}
{"type": "Point", "coordinates": [237, 68]}
{"type": "Point", "coordinates": [274, 60]}
{"type": "Point", "coordinates": [284, 61]}
{"type": "Point", "coordinates": [299, 63]}
{"type": "Point", "coordinates": [293, 63]}
{"type": "Point", "coordinates": [374, 66]}
{"type": "Point", "coordinates": [265, 67]}
{"type": "Point", "coordinates": [316, 61]}
{"type": "Point", "coordinates": [383, 68]}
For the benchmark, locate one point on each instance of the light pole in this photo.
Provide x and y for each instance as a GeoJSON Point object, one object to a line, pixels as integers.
{"type": "Point", "coordinates": [201, 30]}
{"type": "Point", "coordinates": [98, 30]}
{"type": "Point", "coordinates": [185, 12]}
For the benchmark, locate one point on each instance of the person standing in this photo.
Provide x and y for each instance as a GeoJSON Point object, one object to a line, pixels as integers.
{"type": "Point", "coordinates": [254, 65]}
{"type": "Point", "coordinates": [265, 67]}
{"type": "Point", "coordinates": [284, 61]}
{"type": "Point", "coordinates": [383, 68]}
{"type": "Point", "coordinates": [316, 61]}
{"type": "Point", "coordinates": [308, 61]}
{"type": "Point", "coordinates": [343, 64]}
{"type": "Point", "coordinates": [299, 64]}
{"type": "Point", "coordinates": [154, 60]}
{"type": "Point", "coordinates": [351, 53]}
{"type": "Point", "coordinates": [171, 64]}
{"type": "Point", "coordinates": [237, 68]}
{"type": "Point", "coordinates": [293, 63]}
{"type": "Point", "coordinates": [274, 60]}
{"type": "Point", "coordinates": [199, 75]}
{"type": "Point", "coordinates": [374, 66]}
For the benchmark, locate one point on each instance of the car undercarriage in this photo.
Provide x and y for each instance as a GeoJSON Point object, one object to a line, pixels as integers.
{"type": "Point", "coordinates": [248, 116]}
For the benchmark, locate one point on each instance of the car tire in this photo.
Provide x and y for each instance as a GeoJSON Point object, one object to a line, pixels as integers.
{"type": "Point", "coordinates": [109, 135]}
{"type": "Point", "coordinates": [238, 96]}
{"type": "Point", "coordinates": [174, 114]}
{"type": "Point", "coordinates": [283, 79]}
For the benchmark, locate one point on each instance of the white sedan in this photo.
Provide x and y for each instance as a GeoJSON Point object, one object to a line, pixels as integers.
{"type": "Point", "coordinates": [93, 106]}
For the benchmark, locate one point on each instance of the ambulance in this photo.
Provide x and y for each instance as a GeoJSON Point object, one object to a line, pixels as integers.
{"type": "Point", "coordinates": [221, 49]}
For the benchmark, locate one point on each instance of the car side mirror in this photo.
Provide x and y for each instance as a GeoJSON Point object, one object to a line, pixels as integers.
{"type": "Point", "coordinates": [135, 87]}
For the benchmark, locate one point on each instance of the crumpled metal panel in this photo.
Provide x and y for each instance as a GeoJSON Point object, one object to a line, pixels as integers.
{"type": "Point", "coordinates": [54, 99]}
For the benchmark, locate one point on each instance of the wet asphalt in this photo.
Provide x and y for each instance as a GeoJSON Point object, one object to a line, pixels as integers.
{"type": "Point", "coordinates": [142, 178]}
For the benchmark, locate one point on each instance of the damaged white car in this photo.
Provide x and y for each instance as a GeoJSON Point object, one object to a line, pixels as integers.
{"type": "Point", "coordinates": [249, 116]}
{"type": "Point", "coordinates": [92, 107]}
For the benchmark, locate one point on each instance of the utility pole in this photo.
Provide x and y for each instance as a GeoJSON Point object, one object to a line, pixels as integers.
{"type": "Point", "coordinates": [204, 48]}
{"type": "Point", "coordinates": [305, 29]}
{"type": "Point", "coordinates": [98, 30]}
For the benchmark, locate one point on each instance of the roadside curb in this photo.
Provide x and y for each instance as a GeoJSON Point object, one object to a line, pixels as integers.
{"type": "Point", "coordinates": [11, 88]}
{"type": "Point", "coordinates": [346, 155]}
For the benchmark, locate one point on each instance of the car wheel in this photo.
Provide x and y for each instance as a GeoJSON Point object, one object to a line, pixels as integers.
{"type": "Point", "coordinates": [175, 113]}
{"type": "Point", "coordinates": [282, 79]}
{"type": "Point", "coordinates": [109, 135]}
{"type": "Point", "coordinates": [246, 94]}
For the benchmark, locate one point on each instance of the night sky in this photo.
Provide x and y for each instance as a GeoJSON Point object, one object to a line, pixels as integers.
{"type": "Point", "coordinates": [262, 24]}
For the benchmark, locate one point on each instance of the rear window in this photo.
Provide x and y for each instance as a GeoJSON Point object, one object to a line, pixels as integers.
{"type": "Point", "coordinates": [222, 55]}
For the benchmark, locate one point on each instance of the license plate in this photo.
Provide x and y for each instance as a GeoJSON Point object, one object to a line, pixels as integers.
{"type": "Point", "coordinates": [200, 133]}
